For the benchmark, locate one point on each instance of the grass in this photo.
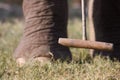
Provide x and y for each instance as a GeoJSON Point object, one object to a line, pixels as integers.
{"type": "Point", "coordinates": [81, 68]}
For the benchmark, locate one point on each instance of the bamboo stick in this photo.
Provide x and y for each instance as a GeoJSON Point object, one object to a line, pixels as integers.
{"type": "Point", "coordinates": [84, 30]}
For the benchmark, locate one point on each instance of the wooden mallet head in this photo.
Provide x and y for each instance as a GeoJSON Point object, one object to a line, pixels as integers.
{"type": "Point", "coordinates": [77, 43]}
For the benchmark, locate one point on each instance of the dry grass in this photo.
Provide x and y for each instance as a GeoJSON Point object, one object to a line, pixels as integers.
{"type": "Point", "coordinates": [81, 68]}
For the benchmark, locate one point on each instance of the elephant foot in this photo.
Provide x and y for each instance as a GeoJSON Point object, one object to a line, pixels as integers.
{"type": "Point", "coordinates": [31, 50]}
{"type": "Point", "coordinates": [37, 51]}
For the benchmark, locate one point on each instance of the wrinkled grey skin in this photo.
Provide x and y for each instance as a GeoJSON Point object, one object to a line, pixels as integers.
{"type": "Point", "coordinates": [104, 17]}
{"type": "Point", "coordinates": [45, 22]}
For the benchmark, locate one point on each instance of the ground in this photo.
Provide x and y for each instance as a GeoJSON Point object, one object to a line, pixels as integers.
{"type": "Point", "coordinates": [81, 68]}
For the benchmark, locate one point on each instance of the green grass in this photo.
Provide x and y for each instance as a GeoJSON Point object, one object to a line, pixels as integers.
{"type": "Point", "coordinates": [81, 68]}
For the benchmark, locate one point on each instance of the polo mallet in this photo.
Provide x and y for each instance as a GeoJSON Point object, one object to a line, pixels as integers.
{"type": "Point", "coordinates": [77, 43]}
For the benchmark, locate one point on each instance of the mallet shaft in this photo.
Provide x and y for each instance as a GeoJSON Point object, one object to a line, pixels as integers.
{"type": "Point", "coordinates": [84, 30]}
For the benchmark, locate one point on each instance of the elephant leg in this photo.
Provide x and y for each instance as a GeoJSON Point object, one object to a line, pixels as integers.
{"type": "Point", "coordinates": [45, 22]}
{"type": "Point", "coordinates": [106, 22]}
